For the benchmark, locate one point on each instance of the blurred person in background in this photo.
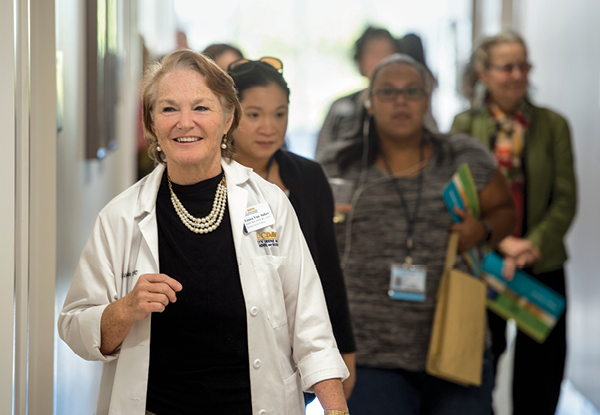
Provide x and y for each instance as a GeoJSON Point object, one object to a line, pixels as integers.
{"type": "Point", "coordinates": [532, 146]}
{"type": "Point", "coordinates": [223, 54]}
{"type": "Point", "coordinates": [191, 305]}
{"type": "Point", "coordinates": [264, 96]}
{"type": "Point", "coordinates": [347, 113]}
{"type": "Point", "coordinates": [181, 40]}
{"type": "Point", "coordinates": [399, 218]}
{"type": "Point", "coordinates": [412, 45]}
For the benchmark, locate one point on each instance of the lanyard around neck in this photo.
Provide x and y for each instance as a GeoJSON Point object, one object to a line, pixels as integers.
{"type": "Point", "coordinates": [410, 221]}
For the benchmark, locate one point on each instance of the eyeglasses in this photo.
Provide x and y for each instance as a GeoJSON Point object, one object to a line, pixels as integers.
{"type": "Point", "coordinates": [392, 94]}
{"type": "Point", "coordinates": [507, 69]}
{"type": "Point", "coordinates": [239, 67]}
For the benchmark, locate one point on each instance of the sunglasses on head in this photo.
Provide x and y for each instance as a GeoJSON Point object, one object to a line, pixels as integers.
{"type": "Point", "coordinates": [239, 67]}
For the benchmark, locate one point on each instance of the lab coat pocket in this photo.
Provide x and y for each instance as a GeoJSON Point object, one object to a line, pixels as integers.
{"type": "Point", "coordinates": [294, 399]}
{"type": "Point", "coordinates": [267, 268]}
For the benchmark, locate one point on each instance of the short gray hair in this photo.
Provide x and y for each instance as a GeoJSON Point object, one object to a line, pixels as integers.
{"type": "Point", "coordinates": [471, 88]}
{"type": "Point", "coordinates": [406, 60]}
{"type": "Point", "coordinates": [481, 55]}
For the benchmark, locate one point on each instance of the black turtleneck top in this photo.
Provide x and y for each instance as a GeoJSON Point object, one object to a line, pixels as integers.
{"type": "Point", "coordinates": [199, 344]}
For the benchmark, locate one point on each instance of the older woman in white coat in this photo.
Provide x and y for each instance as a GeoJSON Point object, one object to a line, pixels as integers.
{"type": "Point", "coordinates": [196, 288]}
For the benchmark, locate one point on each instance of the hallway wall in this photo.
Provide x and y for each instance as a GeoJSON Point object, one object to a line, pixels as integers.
{"type": "Point", "coordinates": [7, 204]}
{"type": "Point", "coordinates": [564, 45]}
{"type": "Point", "coordinates": [85, 186]}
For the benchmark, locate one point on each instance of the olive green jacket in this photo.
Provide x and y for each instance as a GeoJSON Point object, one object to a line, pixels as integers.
{"type": "Point", "coordinates": [551, 188]}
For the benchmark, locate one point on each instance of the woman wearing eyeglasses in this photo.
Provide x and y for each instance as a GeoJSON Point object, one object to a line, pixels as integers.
{"type": "Point", "coordinates": [346, 114]}
{"type": "Point", "coordinates": [532, 146]}
{"type": "Point", "coordinates": [264, 96]}
{"type": "Point", "coordinates": [399, 219]}
{"type": "Point", "coordinates": [196, 289]}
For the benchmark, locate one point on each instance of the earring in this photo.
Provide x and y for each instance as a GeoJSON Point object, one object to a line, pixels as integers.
{"type": "Point", "coordinates": [224, 145]}
{"type": "Point", "coordinates": [158, 149]}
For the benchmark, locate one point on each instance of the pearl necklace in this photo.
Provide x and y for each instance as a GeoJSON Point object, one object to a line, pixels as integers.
{"type": "Point", "coordinates": [208, 223]}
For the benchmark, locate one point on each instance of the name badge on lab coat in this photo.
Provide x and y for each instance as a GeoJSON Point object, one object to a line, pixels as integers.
{"type": "Point", "coordinates": [258, 217]}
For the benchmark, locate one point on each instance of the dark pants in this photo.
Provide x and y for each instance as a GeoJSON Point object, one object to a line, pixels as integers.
{"type": "Point", "coordinates": [308, 398]}
{"type": "Point", "coordinates": [397, 391]}
{"type": "Point", "coordinates": [538, 368]}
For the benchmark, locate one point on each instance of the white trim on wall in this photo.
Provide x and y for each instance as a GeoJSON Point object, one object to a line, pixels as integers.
{"type": "Point", "coordinates": [28, 210]}
{"type": "Point", "coordinates": [491, 16]}
{"type": "Point", "coordinates": [507, 14]}
{"type": "Point", "coordinates": [7, 206]}
{"type": "Point", "coordinates": [22, 143]}
{"type": "Point", "coordinates": [42, 211]}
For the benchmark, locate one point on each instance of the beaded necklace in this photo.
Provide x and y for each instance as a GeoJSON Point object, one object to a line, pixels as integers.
{"type": "Point", "coordinates": [208, 223]}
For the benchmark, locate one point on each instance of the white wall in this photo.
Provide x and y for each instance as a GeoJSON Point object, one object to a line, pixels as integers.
{"type": "Point", "coordinates": [564, 43]}
{"type": "Point", "coordinates": [84, 187]}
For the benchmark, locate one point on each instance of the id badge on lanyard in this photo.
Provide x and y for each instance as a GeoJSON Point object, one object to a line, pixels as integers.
{"type": "Point", "coordinates": [407, 280]}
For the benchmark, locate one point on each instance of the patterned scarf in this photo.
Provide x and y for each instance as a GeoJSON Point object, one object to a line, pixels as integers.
{"type": "Point", "coordinates": [508, 148]}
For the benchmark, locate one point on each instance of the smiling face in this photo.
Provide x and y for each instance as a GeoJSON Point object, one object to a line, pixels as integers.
{"type": "Point", "coordinates": [189, 123]}
{"type": "Point", "coordinates": [401, 117]}
{"type": "Point", "coordinates": [262, 128]}
{"type": "Point", "coordinates": [506, 87]}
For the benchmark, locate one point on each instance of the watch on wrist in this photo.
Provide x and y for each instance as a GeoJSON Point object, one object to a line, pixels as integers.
{"type": "Point", "coordinates": [334, 412]}
{"type": "Point", "coordinates": [488, 231]}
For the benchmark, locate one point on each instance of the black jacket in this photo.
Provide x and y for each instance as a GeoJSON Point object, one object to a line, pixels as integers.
{"type": "Point", "coordinates": [310, 195]}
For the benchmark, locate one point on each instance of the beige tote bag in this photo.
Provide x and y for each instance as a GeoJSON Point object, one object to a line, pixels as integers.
{"type": "Point", "coordinates": [457, 336]}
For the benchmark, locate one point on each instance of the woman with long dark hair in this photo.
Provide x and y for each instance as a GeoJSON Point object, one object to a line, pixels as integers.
{"type": "Point", "coordinates": [399, 221]}
{"type": "Point", "coordinates": [264, 96]}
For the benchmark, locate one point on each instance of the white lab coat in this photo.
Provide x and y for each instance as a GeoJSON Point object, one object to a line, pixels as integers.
{"type": "Point", "coordinates": [290, 341]}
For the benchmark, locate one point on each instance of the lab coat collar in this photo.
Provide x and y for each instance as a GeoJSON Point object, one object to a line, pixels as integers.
{"type": "Point", "coordinates": [236, 175]}
{"type": "Point", "coordinates": [145, 214]}
{"type": "Point", "coordinates": [235, 172]}
{"type": "Point", "coordinates": [149, 191]}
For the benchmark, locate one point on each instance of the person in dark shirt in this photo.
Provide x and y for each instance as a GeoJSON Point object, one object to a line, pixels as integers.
{"type": "Point", "coordinates": [347, 114]}
{"type": "Point", "coordinates": [394, 242]}
{"type": "Point", "coordinates": [264, 96]}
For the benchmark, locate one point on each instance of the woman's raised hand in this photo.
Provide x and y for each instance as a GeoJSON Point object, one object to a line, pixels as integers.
{"type": "Point", "coordinates": [518, 253]}
{"type": "Point", "coordinates": [152, 293]}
